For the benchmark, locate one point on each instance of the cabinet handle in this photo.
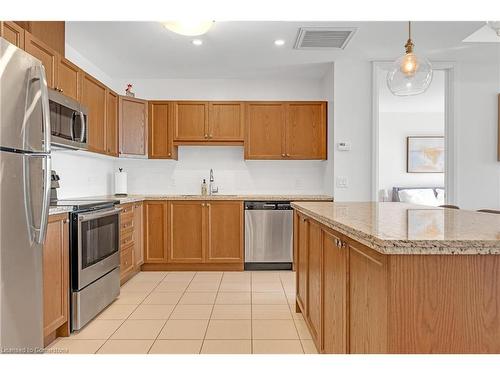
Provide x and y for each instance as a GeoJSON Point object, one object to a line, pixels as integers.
{"type": "Point", "coordinates": [283, 155]}
{"type": "Point", "coordinates": [208, 204]}
{"type": "Point", "coordinates": [206, 135]}
{"type": "Point", "coordinates": [65, 221]}
{"type": "Point", "coordinates": [210, 136]}
{"type": "Point", "coordinates": [169, 154]}
{"type": "Point", "coordinates": [288, 155]}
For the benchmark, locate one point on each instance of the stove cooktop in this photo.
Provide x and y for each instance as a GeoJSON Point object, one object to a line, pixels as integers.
{"type": "Point", "coordinates": [81, 204]}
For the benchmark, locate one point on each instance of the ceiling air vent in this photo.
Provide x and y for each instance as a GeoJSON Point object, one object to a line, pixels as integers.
{"type": "Point", "coordinates": [324, 37]}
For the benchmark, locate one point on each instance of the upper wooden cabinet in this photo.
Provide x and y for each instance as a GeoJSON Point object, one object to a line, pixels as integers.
{"type": "Point", "coordinates": [286, 130]}
{"type": "Point", "coordinates": [224, 232]}
{"type": "Point", "coordinates": [306, 130]}
{"type": "Point", "coordinates": [56, 278]}
{"type": "Point", "coordinates": [45, 54]}
{"type": "Point", "coordinates": [12, 32]}
{"type": "Point", "coordinates": [94, 98]}
{"type": "Point", "coordinates": [68, 78]}
{"type": "Point", "coordinates": [160, 130]}
{"type": "Point", "coordinates": [51, 33]}
{"type": "Point", "coordinates": [133, 114]}
{"type": "Point", "coordinates": [111, 135]}
{"type": "Point", "coordinates": [190, 121]}
{"type": "Point", "coordinates": [265, 130]}
{"type": "Point", "coordinates": [225, 121]}
{"type": "Point", "coordinates": [211, 122]}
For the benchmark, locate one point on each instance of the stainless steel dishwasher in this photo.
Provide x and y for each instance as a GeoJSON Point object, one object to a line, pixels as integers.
{"type": "Point", "coordinates": [268, 235]}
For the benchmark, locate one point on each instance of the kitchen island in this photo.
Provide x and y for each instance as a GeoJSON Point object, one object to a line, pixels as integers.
{"type": "Point", "coordinates": [398, 278]}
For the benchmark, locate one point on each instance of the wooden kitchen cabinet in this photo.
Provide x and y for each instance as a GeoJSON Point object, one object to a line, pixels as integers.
{"type": "Point", "coordinates": [111, 135]}
{"type": "Point", "coordinates": [306, 130]}
{"type": "Point", "coordinates": [367, 300]}
{"type": "Point", "coordinates": [226, 121]}
{"type": "Point", "coordinates": [56, 278]}
{"type": "Point", "coordinates": [286, 130]}
{"type": "Point", "coordinates": [52, 33]}
{"type": "Point", "coordinates": [160, 130]}
{"type": "Point", "coordinates": [190, 121]}
{"type": "Point", "coordinates": [13, 33]}
{"type": "Point", "coordinates": [265, 130]}
{"type": "Point", "coordinates": [301, 242]}
{"type": "Point", "coordinates": [68, 78]}
{"type": "Point", "coordinates": [45, 54]}
{"type": "Point", "coordinates": [187, 224]}
{"type": "Point", "coordinates": [133, 127]}
{"type": "Point", "coordinates": [127, 242]}
{"type": "Point", "coordinates": [138, 235]}
{"type": "Point", "coordinates": [314, 281]}
{"type": "Point", "coordinates": [334, 295]}
{"type": "Point", "coordinates": [155, 231]}
{"type": "Point", "coordinates": [94, 98]}
{"type": "Point", "coordinates": [225, 232]}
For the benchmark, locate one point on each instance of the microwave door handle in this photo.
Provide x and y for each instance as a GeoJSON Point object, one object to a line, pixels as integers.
{"type": "Point", "coordinates": [83, 127]}
{"type": "Point", "coordinates": [72, 127]}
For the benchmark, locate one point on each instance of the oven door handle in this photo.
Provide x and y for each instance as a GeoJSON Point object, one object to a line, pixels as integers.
{"type": "Point", "coordinates": [98, 214]}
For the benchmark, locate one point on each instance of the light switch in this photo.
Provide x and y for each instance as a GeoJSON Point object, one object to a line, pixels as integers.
{"type": "Point", "coordinates": [344, 146]}
{"type": "Point", "coordinates": [342, 182]}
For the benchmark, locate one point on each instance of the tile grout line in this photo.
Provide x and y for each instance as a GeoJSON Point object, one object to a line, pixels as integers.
{"type": "Point", "coordinates": [251, 312]}
{"type": "Point", "coordinates": [136, 307]}
{"type": "Point", "coordinates": [211, 313]}
{"type": "Point", "coordinates": [293, 320]}
{"type": "Point", "coordinates": [164, 324]}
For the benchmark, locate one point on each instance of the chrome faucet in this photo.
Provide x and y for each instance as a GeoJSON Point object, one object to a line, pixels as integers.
{"type": "Point", "coordinates": [212, 189]}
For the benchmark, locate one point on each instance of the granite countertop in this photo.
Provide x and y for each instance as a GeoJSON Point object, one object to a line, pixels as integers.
{"type": "Point", "coordinates": [246, 197]}
{"type": "Point", "coordinates": [399, 228]}
{"type": "Point", "coordinates": [236, 197]}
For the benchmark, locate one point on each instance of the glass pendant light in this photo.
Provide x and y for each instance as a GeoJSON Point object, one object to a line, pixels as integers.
{"type": "Point", "coordinates": [410, 74]}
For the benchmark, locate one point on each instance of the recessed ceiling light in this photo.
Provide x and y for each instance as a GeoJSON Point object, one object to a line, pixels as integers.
{"type": "Point", "coordinates": [197, 42]}
{"type": "Point", "coordinates": [189, 27]}
{"type": "Point", "coordinates": [279, 42]}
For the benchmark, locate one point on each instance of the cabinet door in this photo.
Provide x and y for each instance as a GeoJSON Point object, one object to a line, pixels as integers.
{"type": "Point", "coordinates": [367, 300]}
{"type": "Point", "coordinates": [94, 98]}
{"type": "Point", "coordinates": [155, 231]}
{"type": "Point", "coordinates": [160, 130]}
{"type": "Point", "coordinates": [133, 126]}
{"type": "Point", "coordinates": [190, 121]}
{"type": "Point", "coordinates": [187, 223]}
{"type": "Point", "coordinates": [306, 130]}
{"type": "Point", "coordinates": [225, 121]}
{"type": "Point", "coordinates": [111, 123]}
{"type": "Point", "coordinates": [55, 274]}
{"type": "Point", "coordinates": [334, 286]}
{"type": "Point", "coordinates": [12, 33]}
{"type": "Point", "coordinates": [45, 54]}
{"type": "Point", "coordinates": [68, 78]}
{"type": "Point", "coordinates": [225, 232]}
{"type": "Point", "coordinates": [138, 235]}
{"type": "Point", "coordinates": [51, 33]}
{"type": "Point", "coordinates": [301, 243]}
{"type": "Point", "coordinates": [315, 250]}
{"type": "Point", "coordinates": [265, 131]}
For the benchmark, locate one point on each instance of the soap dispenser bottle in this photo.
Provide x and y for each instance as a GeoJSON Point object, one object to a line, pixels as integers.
{"type": "Point", "coordinates": [204, 187]}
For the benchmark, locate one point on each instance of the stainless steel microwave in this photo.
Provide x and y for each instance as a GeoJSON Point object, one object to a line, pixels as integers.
{"type": "Point", "coordinates": [68, 121]}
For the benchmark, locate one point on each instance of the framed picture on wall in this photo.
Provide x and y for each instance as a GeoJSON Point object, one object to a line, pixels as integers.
{"type": "Point", "coordinates": [425, 154]}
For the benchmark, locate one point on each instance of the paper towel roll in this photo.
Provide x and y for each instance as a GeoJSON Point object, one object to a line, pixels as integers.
{"type": "Point", "coordinates": [121, 183]}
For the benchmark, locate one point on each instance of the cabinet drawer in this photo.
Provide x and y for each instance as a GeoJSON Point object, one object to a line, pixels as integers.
{"type": "Point", "coordinates": [126, 260]}
{"type": "Point", "coordinates": [126, 237]}
{"type": "Point", "coordinates": [127, 224]}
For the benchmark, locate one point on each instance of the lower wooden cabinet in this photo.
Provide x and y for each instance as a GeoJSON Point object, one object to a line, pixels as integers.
{"type": "Point", "coordinates": [138, 235]}
{"type": "Point", "coordinates": [199, 234]}
{"type": "Point", "coordinates": [314, 281]}
{"type": "Point", "coordinates": [56, 278]}
{"type": "Point", "coordinates": [127, 242]}
{"type": "Point", "coordinates": [301, 232]}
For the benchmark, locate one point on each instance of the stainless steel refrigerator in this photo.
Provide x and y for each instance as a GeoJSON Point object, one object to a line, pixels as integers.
{"type": "Point", "coordinates": [25, 166]}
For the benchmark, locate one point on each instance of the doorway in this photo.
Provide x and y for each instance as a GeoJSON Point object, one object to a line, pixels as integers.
{"type": "Point", "coordinates": [413, 141]}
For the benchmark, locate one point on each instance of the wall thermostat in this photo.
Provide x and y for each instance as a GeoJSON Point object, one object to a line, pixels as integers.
{"type": "Point", "coordinates": [344, 146]}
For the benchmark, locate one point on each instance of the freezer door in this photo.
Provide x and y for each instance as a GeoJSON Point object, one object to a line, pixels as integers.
{"type": "Point", "coordinates": [24, 102]}
{"type": "Point", "coordinates": [23, 218]}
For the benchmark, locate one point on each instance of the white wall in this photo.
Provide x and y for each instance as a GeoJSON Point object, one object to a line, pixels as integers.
{"type": "Point", "coordinates": [82, 173]}
{"type": "Point", "coordinates": [394, 127]}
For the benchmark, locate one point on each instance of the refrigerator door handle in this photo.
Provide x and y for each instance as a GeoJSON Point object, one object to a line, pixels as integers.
{"type": "Point", "coordinates": [37, 233]}
{"type": "Point", "coordinates": [37, 73]}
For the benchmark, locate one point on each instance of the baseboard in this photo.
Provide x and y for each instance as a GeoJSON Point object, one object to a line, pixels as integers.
{"type": "Point", "coordinates": [192, 267]}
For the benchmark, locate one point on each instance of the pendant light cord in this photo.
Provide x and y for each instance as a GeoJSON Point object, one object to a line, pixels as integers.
{"type": "Point", "coordinates": [409, 29]}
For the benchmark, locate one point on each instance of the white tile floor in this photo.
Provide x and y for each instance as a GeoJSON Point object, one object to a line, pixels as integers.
{"type": "Point", "coordinates": [198, 312]}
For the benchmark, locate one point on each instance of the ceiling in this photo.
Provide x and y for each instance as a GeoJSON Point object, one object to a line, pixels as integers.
{"type": "Point", "coordinates": [245, 49]}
